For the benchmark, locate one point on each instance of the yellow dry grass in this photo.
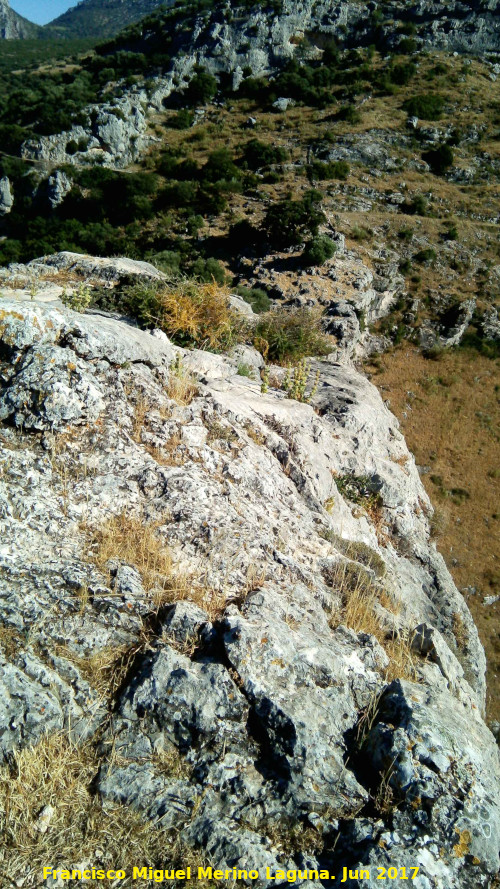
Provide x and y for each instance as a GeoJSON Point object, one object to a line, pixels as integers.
{"type": "Point", "coordinates": [451, 422]}
{"type": "Point", "coordinates": [360, 598]}
{"type": "Point", "coordinates": [50, 816]}
{"type": "Point", "coordinates": [198, 314]}
{"type": "Point", "coordinates": [132, 540]}
{"type": "Point", "coordinates": [182, 384]}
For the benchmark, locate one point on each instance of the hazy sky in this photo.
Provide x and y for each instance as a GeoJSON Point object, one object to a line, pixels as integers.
{"type": "Point", "coordinates": [41, 11]}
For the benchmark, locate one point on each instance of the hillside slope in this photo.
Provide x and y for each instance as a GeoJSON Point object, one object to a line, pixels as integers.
{"type": "Point", "coordinates": [100, 18]}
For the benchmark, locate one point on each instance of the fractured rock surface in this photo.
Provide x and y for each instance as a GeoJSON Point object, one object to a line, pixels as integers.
{"type": "Point", "coordinates": [261, 693]}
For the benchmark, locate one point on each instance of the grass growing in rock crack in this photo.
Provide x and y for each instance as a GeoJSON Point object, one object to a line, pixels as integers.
{"type": "Point", "coordinates": [361, 597]}
{"type": "Point", "coordinates": [131, 540]}
{"type": "Point", "coordinates": [356, 550]}
{"type": "Point", "coordinates": [50, 816]}
{"type": "Point", "coordinates": [182, 384]}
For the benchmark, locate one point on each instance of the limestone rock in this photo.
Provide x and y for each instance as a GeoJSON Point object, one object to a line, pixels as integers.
{"type": "Point", "coordinates": [6, 196]}
{"type": "Point", "coordinates": [248, 683]}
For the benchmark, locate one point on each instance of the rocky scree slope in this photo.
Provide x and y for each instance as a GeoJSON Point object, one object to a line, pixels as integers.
{"type": "Point", "coordinates": [251, 672]}
{"type": "Point", "coordinates": [231, 41]}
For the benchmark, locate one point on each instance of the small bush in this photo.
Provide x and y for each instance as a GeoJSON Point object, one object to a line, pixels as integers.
{"type": "Point", "coordinates": [245, 370]}
{"type": "Point", "coordinates": [451, 232]}
{"type": "Point", "coordinates": [255, 297]}
{"type": "Point", "coordinates": [418, 206]}
{"type": "Point", "coordinates": [428, 254]}
{"type": "Point", "coordinates": [183, 120]}
{"type": "Point", "coordinates": [428, 106]}
{"type": "Point", "coordinates": [288, 222]}
{"type": "Point", "coordinates": [358, 233]}
{"type": "Point", "coordinates": [202, 88]}
{"type": "Point", "coordinates": [289, 336]}
{"type": "Point", "coordinates": [168, 261]}
{"type": "Point", "coordinates": [440, 159]}
{"type": "Point", "coordinates": [331, 170]}
{"type": "Point", "coordinates": [207, 270]}
{"type": "Point", "coordinates": [257, 154]}
{"type": "Point", "coordinates": [199, 315]}
{"type": "Point", "coordinates": [360, 489]}
{"type": "Point", "coordinates": [350, 114]}
{"type": "Point", "coordinates": [319, 250]}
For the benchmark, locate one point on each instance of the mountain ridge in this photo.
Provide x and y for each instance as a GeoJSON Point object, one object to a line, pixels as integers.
{"type": "Point", "coordinates": [101, 18]}
{"type": "Point", "coordinates": [14, 26]}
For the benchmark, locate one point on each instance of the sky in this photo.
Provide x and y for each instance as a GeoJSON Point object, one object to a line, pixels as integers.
{"type": "Point", "coordinates": [41, 11]}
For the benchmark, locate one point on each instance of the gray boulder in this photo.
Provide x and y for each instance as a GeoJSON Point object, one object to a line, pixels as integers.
{"type": "Point", "coordinates": [59, 185]}
{"type": "Point", "coordinates": [6, 196]}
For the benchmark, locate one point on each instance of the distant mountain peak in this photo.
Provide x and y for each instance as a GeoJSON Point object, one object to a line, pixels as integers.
{"type": "Point", "coordinates": [13, 26]}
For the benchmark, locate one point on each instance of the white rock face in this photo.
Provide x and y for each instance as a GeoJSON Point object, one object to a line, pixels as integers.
{"type": "Point", "coordinates": [263, 694]}
{"type": "Point", "coordinates": [6, 196]}
{"type": "Point", "coordinates": [14, 26]}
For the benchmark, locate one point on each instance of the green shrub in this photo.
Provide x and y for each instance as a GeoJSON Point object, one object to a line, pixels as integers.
{"type": "Point", "coordinates": [284, 336]}
{"type": "Point", "coordinates": [360, 489]}
{"type": "Point", "coordinates": [244, 370]}
{"type": "Point", "coordinates": [202, 88]}
{"type": "Point", "coordinates": [183, 120]}
{"type": "Point", "coordinates": [207, 270]}
{"type": "Point", "coordinates": [418, 206]}
{"type": "Point", "coordinates": [330, 170]}
{"type": "Point", "coordinates": [439, 159]}
{"type": "Point", "coordinates": [319, 250]}
{"type": "Point", "coordinates": [405, 234]}
{"type": "Point", "coordinates": [257, 154]}
{"type": "Point", "coordinates": [358, 233]}
{"type": "Point", "coordinates": [427, 254]}
{"type": "Point", "coordinates": [168, 261]}
{"type": "Point", "coordinates": [220, 167]}
{"type": "Point", "coordinates": [402, 73]}
{"type": "Point", "coordinates": [255, 297]}
{"type": "Point", "coordinates": [350, 114]}
{"type": "Point", "coordinates": [451, 233]}
{"type": "Point", "coordinates": [428, 106]}
{"type": "Point", "coordinates": [288, 222]}
{"type": "Point", "coordinates": [474, 342]}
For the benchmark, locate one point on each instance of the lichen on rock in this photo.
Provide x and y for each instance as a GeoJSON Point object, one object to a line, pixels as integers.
{"type": "Point", "coordinates": [236, 667]}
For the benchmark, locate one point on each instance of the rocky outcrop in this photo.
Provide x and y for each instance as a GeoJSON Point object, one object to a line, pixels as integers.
{"type": "Point", "coordinates": [262, 41]}
{"type": "Point", "coordinates": [114, 135]}
{"type": "Point", "coordinates": [277, 512]}
{"type": "Point", "coordinates": [6, 196]}
{"type": "Point", "coordinates": [59, 185]}
{"type": "Point", "coordinates": [13, 26]}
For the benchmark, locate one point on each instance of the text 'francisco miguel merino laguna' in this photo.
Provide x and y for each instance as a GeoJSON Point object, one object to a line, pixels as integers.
{"type": "Point", "coordinates": [208, 873]}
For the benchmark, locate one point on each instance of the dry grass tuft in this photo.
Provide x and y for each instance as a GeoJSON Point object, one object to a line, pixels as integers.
{"type": "Point", "coordinates": [361, 598]}
{"type": "Point", "coordinates": [171, 452]}
{"type": "Point", "coordinates": [200, 315]}
{"type": "Point", "coordinates": [182, 385]}
{"type": "Point", "coordinates": [49, 816]}
{"type": "Point", "coordinates": [131, 540]}
{"type": "Point", "coordinates": [141, 409]}
{"type": "Point", "coordinates": [459, 630]}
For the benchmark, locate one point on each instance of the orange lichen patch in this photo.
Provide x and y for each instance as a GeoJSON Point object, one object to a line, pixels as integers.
{"type": "Point", "coordinates": [461, 848]}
